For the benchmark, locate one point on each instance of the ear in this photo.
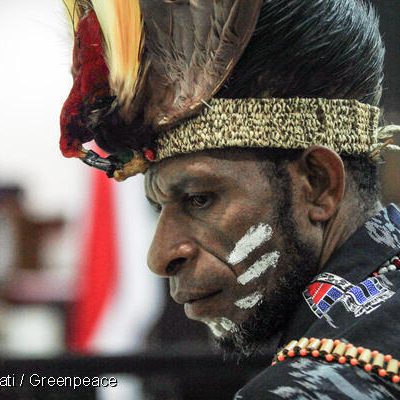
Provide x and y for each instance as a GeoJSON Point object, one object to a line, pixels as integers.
{"type": "Point", "coordinates": [323, 182]}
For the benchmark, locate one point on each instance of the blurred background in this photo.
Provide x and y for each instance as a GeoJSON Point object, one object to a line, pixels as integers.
{"type": "Point", "coordinates": [73, 279]}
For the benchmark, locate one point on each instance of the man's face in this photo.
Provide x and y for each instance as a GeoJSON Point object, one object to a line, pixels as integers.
{"type": "Point", "coordinates": [222, 243]}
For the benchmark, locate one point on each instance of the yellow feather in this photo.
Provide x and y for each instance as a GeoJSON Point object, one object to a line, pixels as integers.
{"type": "Point", "coordinates": [74, 12]}
{"type": "Point", "coordinates": [122, 27]}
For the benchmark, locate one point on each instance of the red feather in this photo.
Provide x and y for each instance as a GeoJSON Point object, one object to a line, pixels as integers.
{"type": "Point", "coordinates": [90, 82]}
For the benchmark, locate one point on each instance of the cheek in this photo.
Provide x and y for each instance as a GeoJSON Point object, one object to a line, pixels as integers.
{"type": "Point", "coordinates": [254, 261]}
{"type": "Point", "coordinates": [254, 254]}
{"type": "Point", "coordinates": [248, 253]}
{"type": "Point", "coordinates": [254, 237]}
{"type": "Point", "coordinates": [259, 268]}
{"type": "Point", "coordinates": [235, 224]}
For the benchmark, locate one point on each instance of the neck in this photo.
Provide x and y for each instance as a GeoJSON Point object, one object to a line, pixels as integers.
{"type": "Point", "coordinates": [347, 219]}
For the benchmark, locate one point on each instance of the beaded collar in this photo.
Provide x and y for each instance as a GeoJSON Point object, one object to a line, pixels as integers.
{"type": "Point", "coordinates": [391, 265]}
{"type": "Point", "coordinates": [344, 353]}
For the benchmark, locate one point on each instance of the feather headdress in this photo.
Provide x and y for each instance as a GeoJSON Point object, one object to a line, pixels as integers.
{"type": "Point", "coordinates": [143, 66]}
{"type": "Point", "coordinates": [158, 78]}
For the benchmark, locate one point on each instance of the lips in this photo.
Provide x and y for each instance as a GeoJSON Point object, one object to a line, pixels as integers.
{"type": "Point", "coordinates": [182, 297]}
{"type": "Point", "coordinates": [200, 305]}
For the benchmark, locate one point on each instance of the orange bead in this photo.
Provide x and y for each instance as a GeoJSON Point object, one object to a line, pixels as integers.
{"type": "Point", "coordinates": [329, 357]}
{"type": "Point", "coordinates": [273, 363]}
{"type": "Point", "coordinates": [291, 353]}
{"type": "Point", "coordinates": [348, 345]}
{"type": "Point", "coordinates": [374, 353]}
{"type": "Point", "coordinates": [336, 342]}
{"type": "Point", "coordinates": [395, 379]}
{"type": "Point", "coordinates": [382, 372]}
{"type": "Point", "coordinates": [354, 362]}
{"type": "Point", "coordinates": [368, 367]}
{"type": "Point", "coordinates": [342, 360]}
{"type": "Point", "coordinates": [281, 357]}
{"type": "Point", "coordinates": [303, 352]}
{"type": "Point", "coordinates": [315, 353]}
{"type": "Point", "coordinates": [360, 349]}
{"type": "Point", "coordinates": [388, 357]}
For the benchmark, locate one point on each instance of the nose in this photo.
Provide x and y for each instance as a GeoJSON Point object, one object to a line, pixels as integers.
{"type": "Point", "coordinates": [172, 246]}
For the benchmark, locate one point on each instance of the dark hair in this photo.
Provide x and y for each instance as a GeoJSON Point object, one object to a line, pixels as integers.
{"type": "Point", "coordinates": [315, 48]}
{"type": "Point", "coordinates": [365, 175]}
{"type": "Point", "coordinates": [362, 171]}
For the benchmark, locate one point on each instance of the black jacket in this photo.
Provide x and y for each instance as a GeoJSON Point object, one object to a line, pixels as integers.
{"type": "Point", "coordinates": [351, 302]}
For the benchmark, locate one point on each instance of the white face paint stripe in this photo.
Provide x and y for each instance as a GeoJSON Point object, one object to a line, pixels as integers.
{"type": "Point", "coordinates": [215, 329]}
{"type": "Point", "coordinates": [249, 301]}
{"type": "Point", "coordinates": [228, 325]}
{"type": "Point", "coordinates": [269, 260]}
{"type": "Point", "coordinates": [220, 325]}
{"type": "Point", "coordinates": [252, 239]}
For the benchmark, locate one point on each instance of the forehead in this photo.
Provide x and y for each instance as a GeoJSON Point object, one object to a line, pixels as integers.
{"type": "Point", "coordinates": [203, 168]}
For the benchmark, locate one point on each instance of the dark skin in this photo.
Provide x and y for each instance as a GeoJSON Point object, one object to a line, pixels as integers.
{"type": "Point", "coordinates": [208, 203]}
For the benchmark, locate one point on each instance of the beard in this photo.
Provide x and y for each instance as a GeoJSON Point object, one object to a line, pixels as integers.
{"type": "Point", "coordinates": [264, 327]}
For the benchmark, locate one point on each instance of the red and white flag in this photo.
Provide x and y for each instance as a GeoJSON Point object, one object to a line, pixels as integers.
{"type": "Point", "coordinates": [118, 299]}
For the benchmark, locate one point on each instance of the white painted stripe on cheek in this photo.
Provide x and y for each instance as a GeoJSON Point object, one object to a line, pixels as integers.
{"type": "Point", "coordinates": [249, 301]}
{"type": "Point", "coordinates": [253, 238]}
{"type": "Point", "coordinates": [269, 260]}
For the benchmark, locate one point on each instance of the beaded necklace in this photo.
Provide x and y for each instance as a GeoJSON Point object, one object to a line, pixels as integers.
{"type": "Point", "coordinates": [336, 350]}
{"type": "Point", "coordinates": [392, 265]}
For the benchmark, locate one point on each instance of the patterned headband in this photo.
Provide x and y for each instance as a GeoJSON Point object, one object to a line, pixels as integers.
{"type": "Point", "coordinates": [346, 126]}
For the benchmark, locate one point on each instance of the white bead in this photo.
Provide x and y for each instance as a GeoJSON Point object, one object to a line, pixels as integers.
{"type": "Point", "coordinates": [394, 258]}
{"type": "Point", "coordinates": [383, 270]}
{"type": "Point", "coordinates": [392, 267]}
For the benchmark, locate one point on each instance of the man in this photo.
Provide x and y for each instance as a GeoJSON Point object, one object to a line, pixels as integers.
{"type": "Point", "coordinates": [257, 124]}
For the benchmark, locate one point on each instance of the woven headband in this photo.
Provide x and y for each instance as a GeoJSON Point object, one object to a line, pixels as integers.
{"type": "Point", "coordinates": [346, 126]}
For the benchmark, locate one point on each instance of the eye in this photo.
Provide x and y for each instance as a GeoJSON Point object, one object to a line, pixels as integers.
{"type": "Point", "coordinates": [199, 200]}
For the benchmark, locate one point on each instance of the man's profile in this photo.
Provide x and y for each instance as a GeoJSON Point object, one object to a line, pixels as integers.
{"type": "Point", "coordinates": [257, 127]}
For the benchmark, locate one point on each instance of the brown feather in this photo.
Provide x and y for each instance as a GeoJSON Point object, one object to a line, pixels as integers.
{"type": "Point", "coordinates": [193, 46]}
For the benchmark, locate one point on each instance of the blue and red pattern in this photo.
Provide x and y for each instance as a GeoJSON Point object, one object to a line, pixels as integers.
{"type": "Point", "coordinates": [321, 296]}
{"type": "Point", "coordinates": [329, 289]}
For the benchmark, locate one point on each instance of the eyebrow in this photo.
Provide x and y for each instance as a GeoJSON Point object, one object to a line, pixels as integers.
{"type": "Point", "coordinates": [184, 183]}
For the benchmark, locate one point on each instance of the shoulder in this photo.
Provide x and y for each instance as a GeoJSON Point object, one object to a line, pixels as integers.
{"type": "Point", "coordinates": [309, 379]}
